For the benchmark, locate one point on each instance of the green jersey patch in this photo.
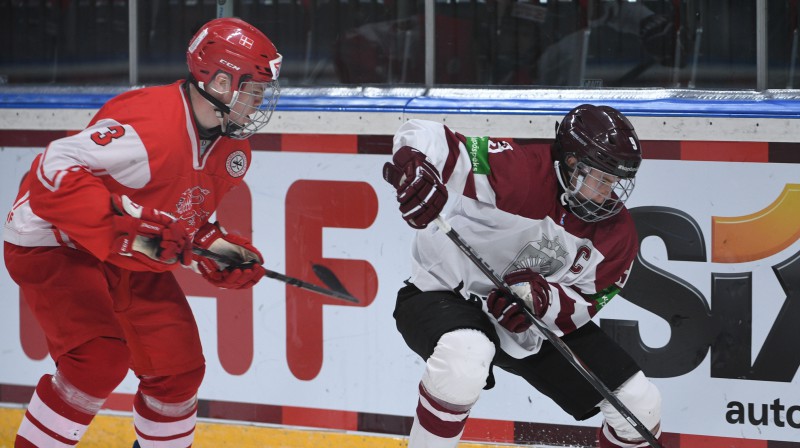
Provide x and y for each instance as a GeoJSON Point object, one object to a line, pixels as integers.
{"type": "Point", "coordinates": [603, 297]}
{"type": "Point", "coordinates": [478, 148]}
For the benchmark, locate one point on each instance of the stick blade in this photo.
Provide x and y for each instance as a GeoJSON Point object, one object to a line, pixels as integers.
{"type": "Point", "coordinates": [329, 279]}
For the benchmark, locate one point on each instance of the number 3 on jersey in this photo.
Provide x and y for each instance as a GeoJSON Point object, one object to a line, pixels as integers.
{"type": "Point", "coordinates": [104, 138]}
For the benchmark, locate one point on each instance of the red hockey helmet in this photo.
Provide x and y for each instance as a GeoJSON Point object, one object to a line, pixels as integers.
{"type": "Point", "coordinates": [235, 47]}
{"type": "Point", "coordinates": [607, 153]}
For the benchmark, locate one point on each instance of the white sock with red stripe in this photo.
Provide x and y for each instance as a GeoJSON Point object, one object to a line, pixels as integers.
{"type": "Point", "coordinates": [156, 430]}
{"type": "Point", "coordinates": [437, 424]}
{"type": "Point", "coordinates": [50, 421]}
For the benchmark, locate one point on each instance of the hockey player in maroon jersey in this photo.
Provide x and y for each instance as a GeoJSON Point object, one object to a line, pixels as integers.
{"type": "Point", "coordinates": [552, 222]}
{"type": "Point", "coordinates": [106, 215]}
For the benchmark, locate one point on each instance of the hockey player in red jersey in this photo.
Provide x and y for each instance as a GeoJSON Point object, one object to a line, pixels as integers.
{"type": "Point", "coordinates": [552, 222]}
{"type": "Point", "coordinates": [106, 215]}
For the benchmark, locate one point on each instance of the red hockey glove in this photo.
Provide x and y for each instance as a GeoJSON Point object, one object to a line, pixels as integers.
{"type": "Point", "coordinates": [420, 190]}
{"type": "Point", "coordinates": [143, 232]}
{"type": "Point", "coordinates": [243, 275]}
{"type": "Point", "coordinates": [534, 291]}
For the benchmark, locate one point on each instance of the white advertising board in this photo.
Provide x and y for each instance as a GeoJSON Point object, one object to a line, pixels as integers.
{"type": "Point", "coordinates": [361, 363]}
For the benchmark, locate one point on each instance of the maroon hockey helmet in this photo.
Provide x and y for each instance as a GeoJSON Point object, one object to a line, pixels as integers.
{"type": "Point", "coordinates": [607, 152]}
{"type": "Point", "coordinates": [235, 47]}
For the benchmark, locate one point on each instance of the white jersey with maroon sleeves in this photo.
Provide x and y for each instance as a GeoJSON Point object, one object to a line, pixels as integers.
{"type": "Point", "coordinates": [143, 144]}
{"type": "Point", "coordinates": [504, 201]}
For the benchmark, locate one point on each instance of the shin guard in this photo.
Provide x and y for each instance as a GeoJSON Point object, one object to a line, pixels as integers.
{"type": "Point", "coordinates": [437, 424]}
{"type": "Point", "coordinates": [165, 410]}
{"type": "Point", "coordinates": [156, 430]}
{"type": "Point", "coordinates": [644, 400]}
{"type": "Point", "coordinates": [454, 376]}
{"type": "Point", "coordinates": [51, 421]}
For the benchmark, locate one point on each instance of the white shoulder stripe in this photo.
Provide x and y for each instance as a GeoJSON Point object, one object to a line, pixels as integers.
{"type": "Point", "coordinates": [483, 189]}
{"type": "Point", "coordinates": [124, 158]}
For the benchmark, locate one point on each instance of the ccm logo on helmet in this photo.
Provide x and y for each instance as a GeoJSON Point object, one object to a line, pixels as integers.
{"type": "Point", "coordinates": [229, 64]}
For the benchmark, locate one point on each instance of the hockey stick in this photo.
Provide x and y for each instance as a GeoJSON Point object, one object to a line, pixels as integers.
{"type": "Point", "coordinates": [328, 278]}
{"type": "Point", "coordinates": [220, 258]}
{"type": "Point", "coordinates": [274, 275]}
{"type": "Point", "coordinates": [552, 337]}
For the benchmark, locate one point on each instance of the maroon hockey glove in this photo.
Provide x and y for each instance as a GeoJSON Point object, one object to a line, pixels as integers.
{"type": "Point", "coordinates": [240, 276]}
{"type": "Point", "coordinates": [529, 286]}
{"type": "Point", "coordinates": [508, 311]}
{"type": "Point", "coordinates": [147, 233]}
{"type": "Point", "coordinates": [532, 288]}
{"type": "Point", "coordinates": [420, 190]}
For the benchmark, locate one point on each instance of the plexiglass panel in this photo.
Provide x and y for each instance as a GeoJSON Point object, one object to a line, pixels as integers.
{"type": "Point", "coordinates": [703, 44]}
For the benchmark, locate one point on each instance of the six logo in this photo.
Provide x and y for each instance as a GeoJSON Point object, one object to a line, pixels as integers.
{"type": "Point", "coordinates": [724, 329]}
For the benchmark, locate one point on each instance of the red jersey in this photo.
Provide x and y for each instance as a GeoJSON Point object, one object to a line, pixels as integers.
{"type": "Point", "coordinates": [143, 144]}
{"type": "Point", "coordinates": [504, 202]}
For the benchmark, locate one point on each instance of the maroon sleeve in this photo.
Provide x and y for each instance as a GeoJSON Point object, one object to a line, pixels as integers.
{"type": "Point", "coordinates": [522, 179]}
{"type": "Point", "coordinates": [620, 244]}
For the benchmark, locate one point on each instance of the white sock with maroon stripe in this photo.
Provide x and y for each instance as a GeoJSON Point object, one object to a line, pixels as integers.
{"type": "Point", "coordinates": [50, 421]}
{"type": "Point", "coordinates": [610, 439]}
{"type": "Point", "coordinates": [437, 424]}
{"type": "Point", "coordinates": [156, 430]}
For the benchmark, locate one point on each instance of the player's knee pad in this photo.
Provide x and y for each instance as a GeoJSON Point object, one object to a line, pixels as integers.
{"type": "Point", "coordinates": [457, 370]}
{"type": "Point", "coordinates": [643, 399]}
{"type": "Point", "coordinates": [178, 389]}
{"type": "Point", "coordinates": [96, 367]}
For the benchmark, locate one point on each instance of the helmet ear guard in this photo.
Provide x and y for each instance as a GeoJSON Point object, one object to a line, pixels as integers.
{"type": "Point", "coordinates": [220, 79]}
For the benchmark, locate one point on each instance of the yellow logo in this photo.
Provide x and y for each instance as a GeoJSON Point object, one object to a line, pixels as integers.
{"type": "Point", "coordinates": [758, 235]}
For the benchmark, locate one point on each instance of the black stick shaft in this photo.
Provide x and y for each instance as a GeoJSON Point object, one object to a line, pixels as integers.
{"type": "Point", "coordinates": [274, 275]}
{"type": "Point", "coordinates": [562, 348]}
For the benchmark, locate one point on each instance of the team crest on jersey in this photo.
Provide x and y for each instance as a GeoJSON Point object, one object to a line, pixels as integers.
{"type": "Point", "coordinates": [190, 206]}
{"type": "Point", "coordinates": [545, 256]}
{"type": "Point", "coordinates": [236, 164]}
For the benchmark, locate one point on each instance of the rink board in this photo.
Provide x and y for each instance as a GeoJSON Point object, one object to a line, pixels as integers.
{"type": "Point", "coordinates": [710, 310]}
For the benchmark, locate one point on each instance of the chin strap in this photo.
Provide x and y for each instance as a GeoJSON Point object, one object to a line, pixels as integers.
{"type": "Point", "coordinates": [220, 108]}
{"type": "Point", "coordinates": [557, 167]}
{"type": "Point", "coordinates": [219, 105]}
{"type": "Point", "coordinates": [564, 197]}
